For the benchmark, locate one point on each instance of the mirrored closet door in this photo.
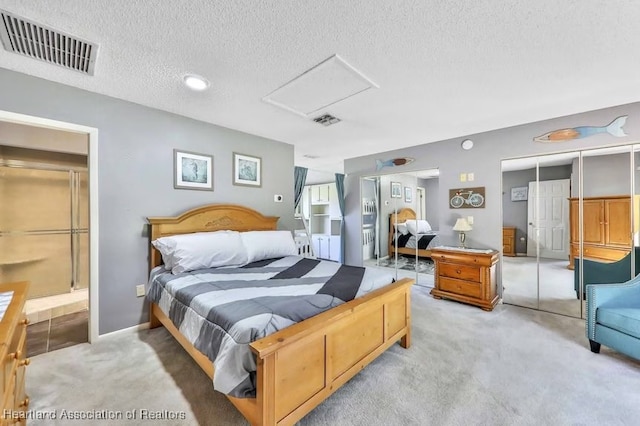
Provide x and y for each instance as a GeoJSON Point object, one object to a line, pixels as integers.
{"type": "Point", "coordinates": [573, 226]}
{"type": "Point", "coordinates": [399, 223]}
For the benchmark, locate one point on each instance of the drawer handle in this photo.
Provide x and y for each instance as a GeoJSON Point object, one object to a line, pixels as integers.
{"type": "Point", "coordinates": [25, 321]}
{"type": "Point", "coordinates": [25, 402]}
{"type": "Point", "coordinates": [15, 355]}
{"type": "Point", "coordinates": [458, 271]}
{"type": "Point", "coordinates": [25, 362]}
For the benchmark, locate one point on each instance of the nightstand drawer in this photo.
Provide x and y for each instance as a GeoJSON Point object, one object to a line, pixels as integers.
{"type": "Point", "coordinates": [463, 288]}
{"type": "Point", "coordinates": [462, 272]}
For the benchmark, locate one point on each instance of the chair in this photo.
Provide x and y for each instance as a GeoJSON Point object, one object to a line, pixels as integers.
{"type": "Point", "coordinates": [596, 272]}
{"type": "Point", "coordinates": [613, 317]}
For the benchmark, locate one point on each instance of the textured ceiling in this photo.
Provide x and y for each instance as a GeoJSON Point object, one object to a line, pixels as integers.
{"type": "Point", "coordinates": [445, 69]}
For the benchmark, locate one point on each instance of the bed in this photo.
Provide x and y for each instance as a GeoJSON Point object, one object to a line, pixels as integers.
{"type": "Point", "coordinates": [325, 350]}
{"type": "Point", "coordinates": [407, 244]}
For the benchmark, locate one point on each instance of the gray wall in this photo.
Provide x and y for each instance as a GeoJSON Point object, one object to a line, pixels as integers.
{"type": "Point", "coordinates": [602, 175]}
{"type": "Point", "coordinates": [515, 213]}
{"type": "Point", "coordinates": [484, 161]}
{"type": "Point", "coordinates": [432, 189]}
{"type": "Point", "coordinates": [136, 177]}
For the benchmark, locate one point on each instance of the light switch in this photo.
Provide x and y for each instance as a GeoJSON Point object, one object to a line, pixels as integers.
{"type": "Point", "coordinates": [463, 177]}
{"type": "Point", "coordinates": [470, 177]}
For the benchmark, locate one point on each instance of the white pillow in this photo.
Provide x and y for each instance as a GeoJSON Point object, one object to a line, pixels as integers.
{"type": "Point", "coordinates": [402, 228]}
{"type": "Point", "coordinates": [418, 226]}
{"type": "Point", "coordinates": [188, 252]}
{"type": "Point", "coordinates": [423, 226]}
{"type": "Point", "coordinates": [261, 245]}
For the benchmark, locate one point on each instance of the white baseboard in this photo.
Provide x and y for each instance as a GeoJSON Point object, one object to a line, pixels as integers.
{"type": "Point", "coordinates": [129, 330]}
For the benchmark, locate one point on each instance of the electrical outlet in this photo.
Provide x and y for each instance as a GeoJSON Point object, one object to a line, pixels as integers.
{"type": "Point", "coordinates": [470, 220]}
{"type": "Point", "coordinates": [470, 177]}
{"type": "Point", "coordinates": [140, 290]}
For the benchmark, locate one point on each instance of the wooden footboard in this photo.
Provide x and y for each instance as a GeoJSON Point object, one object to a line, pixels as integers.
{"type": "Point", "coordinates": [302, 365]}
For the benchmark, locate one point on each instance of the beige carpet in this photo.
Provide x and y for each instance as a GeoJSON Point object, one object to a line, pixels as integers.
{"type": "Point", "coordinates": [512, 366]}
{"type": "Point", "coordinates": [555, 292]}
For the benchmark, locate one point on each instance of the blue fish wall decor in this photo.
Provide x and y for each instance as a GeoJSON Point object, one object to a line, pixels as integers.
{"type": "Point", "coordinates": [614, 128]}
{"type": "Point", "coordinates": [392, 163]}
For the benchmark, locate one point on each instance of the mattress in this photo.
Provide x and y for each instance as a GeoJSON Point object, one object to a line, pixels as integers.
{"type": "Point", "coordinates": [222, 310]}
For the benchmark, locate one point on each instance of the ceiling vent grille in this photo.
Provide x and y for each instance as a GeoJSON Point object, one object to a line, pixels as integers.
{"type": "Point", "coordinates": [37, 41]}
{"type": "Point", "coordinates": [326, 120]}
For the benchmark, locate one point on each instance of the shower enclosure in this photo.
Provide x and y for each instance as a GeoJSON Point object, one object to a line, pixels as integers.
{"type": "Point", "coordinates": [44, 223]}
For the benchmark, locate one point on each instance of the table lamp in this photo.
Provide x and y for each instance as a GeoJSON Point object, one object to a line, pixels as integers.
{"type": "Point", "coordinates": [462, 226]}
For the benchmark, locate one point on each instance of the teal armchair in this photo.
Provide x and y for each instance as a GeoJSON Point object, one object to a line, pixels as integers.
{"type": "Point", "coordinates": [599, 272]}
{"type": "Point", "coordinates": [613, 317]}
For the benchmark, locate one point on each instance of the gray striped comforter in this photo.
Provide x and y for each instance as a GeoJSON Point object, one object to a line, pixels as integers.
{"type": "Point", "coordinates": [221, 310]}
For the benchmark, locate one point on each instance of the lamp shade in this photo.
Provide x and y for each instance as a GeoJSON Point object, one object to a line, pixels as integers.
{"type": "Point", "coordinates": [462, 225]}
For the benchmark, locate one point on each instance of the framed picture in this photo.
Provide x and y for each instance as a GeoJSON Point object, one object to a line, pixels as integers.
{"type": "Point", "coordinates": [519, 194]}
{"type": "Point", "coordinates": [467, 198]}
{"type": "Point", "coordinates": [396, 190]}
{"type": "Point", "coordinates": [407, 194]}
{"type": "Point", "coordinates": [192, 170]}
{"type": "Point", "coordinates": [247, 170]}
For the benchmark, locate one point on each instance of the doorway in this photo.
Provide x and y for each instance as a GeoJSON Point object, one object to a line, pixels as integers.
{"type": "Point", "coordinates": [88, 215]}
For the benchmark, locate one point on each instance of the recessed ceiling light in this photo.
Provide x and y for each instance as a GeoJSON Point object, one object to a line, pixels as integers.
{"type": "Point", "coordinates": [195, 82]}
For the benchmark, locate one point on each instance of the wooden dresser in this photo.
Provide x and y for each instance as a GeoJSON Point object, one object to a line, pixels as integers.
{"type": "Point", "coordinates": [466, 275]}
{"type": "Point", "coordinates": [509, 240]}
{"type": "Point", "coordinates": [13, 336]}
{"type": "Point", "coordinates": [607, 228]}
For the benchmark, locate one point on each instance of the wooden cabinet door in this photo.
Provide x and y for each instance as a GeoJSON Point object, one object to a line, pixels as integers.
{"type": "Point", "coordinates": [618, 222]}
{"type": "Point", "coordinates": [593, 217]}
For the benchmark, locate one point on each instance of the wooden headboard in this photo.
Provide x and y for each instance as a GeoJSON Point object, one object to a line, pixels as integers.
{"type": "Point", "coordinates": [214, 217]}
{"type": "Point", "coordinates": [401, 216]}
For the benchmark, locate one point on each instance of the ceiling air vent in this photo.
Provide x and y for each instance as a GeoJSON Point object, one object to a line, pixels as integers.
{"type": "Point", "coordinates": [37, 41]}
{"type": "Point", "coordinates": [326, 120]}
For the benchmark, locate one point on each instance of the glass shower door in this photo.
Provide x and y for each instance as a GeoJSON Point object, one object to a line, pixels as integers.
{"type": "Point", "coordinates": [35, 229]}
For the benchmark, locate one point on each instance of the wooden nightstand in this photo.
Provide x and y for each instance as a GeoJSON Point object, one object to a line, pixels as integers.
{"type": "Point", "coordinates": [466, 275]}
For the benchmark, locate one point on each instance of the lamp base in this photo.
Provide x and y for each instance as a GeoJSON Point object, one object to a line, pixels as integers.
{"type": "Point", "coordinates": [462, 237]}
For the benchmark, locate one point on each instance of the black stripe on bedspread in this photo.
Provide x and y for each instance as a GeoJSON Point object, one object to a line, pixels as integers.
{"type": "Point", "coordinates": [345, 283]}
{"type": "Point", "coordinates": [300, 269]}
{"type": "Point", "coordinates": [423, 242]}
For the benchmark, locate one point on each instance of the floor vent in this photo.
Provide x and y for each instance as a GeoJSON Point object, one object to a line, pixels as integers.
{"type": "Point", "coordinates": [326, 120]}
{"type": "Point", "coordinates": [28, 38]}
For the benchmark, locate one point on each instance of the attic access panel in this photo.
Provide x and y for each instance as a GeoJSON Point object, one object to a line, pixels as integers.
{"type": "Point", "coordinates": [331, 81]}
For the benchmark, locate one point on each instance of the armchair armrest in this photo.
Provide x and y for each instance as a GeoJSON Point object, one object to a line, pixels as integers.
{"type": "Point", "coordinates": [599, 294]}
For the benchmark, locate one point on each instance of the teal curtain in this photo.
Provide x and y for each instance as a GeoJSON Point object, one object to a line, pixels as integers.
{"type": "Point", "coordinates": [340, 188]}
{"type": "Point", "coordinates": [300, 177]}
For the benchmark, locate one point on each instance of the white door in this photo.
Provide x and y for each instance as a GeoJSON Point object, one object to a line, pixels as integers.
{"type": "Point", "coordinates": [548, 219]}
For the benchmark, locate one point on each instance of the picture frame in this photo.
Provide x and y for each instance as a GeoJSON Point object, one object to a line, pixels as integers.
{"type": "Point", "coordinates": [192, 170]}
{"type": "Point", "coordinates": [247, 170]}
{"type": "Point", "coordinates": [407, 194]}
{"type": "Point", "coordinates": [519, 193]}
{"type": "Point", "coordinates": [396, 190]}
{"type": "Point", "coordinates": [467, 198]}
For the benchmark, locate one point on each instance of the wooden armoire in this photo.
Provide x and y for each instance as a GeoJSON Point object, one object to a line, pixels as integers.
{"type": "Point", "coordinates": [607, 228]}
